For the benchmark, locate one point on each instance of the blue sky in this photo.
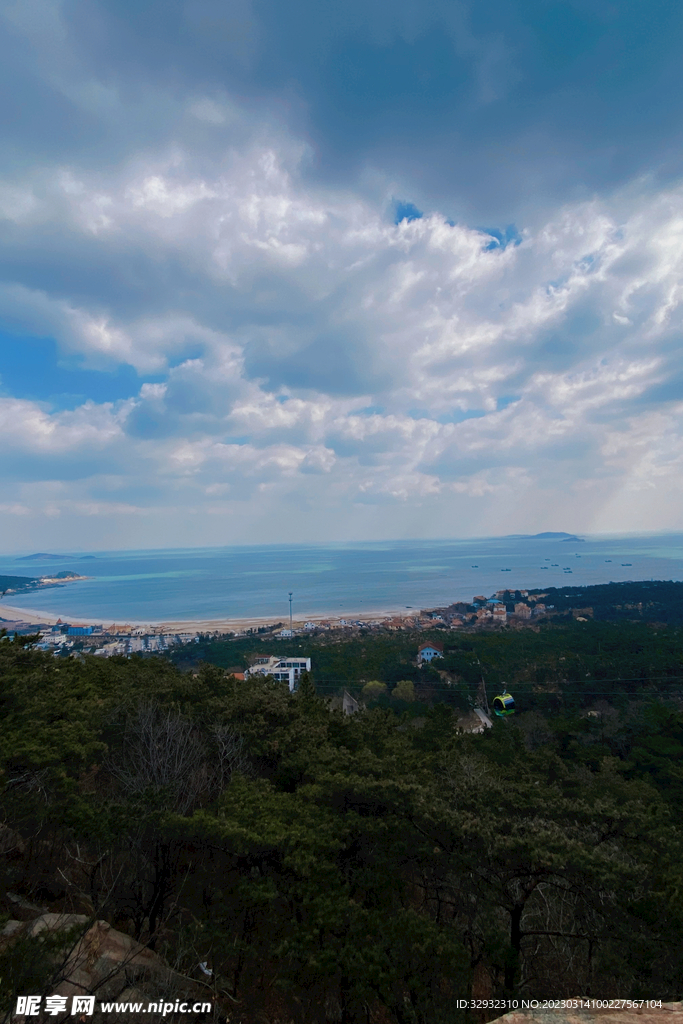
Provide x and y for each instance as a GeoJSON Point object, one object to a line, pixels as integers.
{"type": "Point", "coordinates": [320, 271]}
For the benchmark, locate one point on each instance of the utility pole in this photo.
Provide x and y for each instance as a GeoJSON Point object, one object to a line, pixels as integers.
{"type": "Point", "coordinates": [290, 609]}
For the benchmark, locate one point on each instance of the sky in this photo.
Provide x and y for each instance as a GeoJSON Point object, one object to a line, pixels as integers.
{"type": "Point", "coordinates": [331, 272]}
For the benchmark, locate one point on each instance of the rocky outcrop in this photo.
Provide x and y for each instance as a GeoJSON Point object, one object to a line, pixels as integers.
{"type": "Point", "coordinates": [20, 909]}
{"type": "Point", "coordinates": [96, 959]}
{"type": "Point", "coordinates": [589, 1011]}
{"type": "Point", "coordinates": [12, 846]}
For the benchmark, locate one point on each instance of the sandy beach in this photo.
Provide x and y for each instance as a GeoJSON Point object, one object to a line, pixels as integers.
{"type": "Point", "coordinates": [14, 613]}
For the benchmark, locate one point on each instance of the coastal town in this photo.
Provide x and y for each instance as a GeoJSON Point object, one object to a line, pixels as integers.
{"type": "Point", "coordinates": [506, 608]}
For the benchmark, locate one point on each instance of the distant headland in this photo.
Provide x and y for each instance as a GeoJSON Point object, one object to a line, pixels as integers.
{"type": "Point", "coordinates": [22, 584]}
{"type": "Point", "coordinates": [545, 536]}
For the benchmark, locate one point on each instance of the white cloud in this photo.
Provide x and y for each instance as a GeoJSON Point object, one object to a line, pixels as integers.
{"type": "Point", "coordinates": [315, 356]}
{"type": "Point", "coordinates": [215, 111]}
{"type": "Point", "coordinates": [27, 428]}
{"type": "Point", "coordinates": [14, 509]}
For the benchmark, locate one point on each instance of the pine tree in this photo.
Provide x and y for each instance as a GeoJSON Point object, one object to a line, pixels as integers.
{"type": "Point", "coordinates": [306, 689]}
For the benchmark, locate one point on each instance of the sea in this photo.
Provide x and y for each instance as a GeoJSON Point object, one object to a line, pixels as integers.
{"type": "Point", "coordinates": [334, 579]}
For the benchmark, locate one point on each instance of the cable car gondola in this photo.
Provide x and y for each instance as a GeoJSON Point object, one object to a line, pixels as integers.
{"type": "Point", "coordinates": [504, 704]}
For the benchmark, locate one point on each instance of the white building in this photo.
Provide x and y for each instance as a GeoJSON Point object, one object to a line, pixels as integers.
{"type": "Point", "coordinates": [287, 670]}
{"type": "Point", "coordinates": [427, 652]}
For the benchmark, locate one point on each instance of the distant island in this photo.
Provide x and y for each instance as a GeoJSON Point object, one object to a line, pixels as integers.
{"type": "Point", "coordinates": [41, 556]}
{"type": "Point", "coordinates": [545, 536]}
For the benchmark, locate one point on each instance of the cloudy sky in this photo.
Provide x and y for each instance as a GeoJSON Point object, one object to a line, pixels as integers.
{"type": "Point", "coordinates": [315, 270]}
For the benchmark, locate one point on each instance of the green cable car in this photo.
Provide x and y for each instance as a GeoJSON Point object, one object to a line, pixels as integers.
{"type": "Point", "coordinates": [504, 704]}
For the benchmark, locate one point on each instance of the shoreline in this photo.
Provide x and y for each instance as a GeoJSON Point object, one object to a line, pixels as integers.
{"type": "Point", "coordinates": [223, 625]}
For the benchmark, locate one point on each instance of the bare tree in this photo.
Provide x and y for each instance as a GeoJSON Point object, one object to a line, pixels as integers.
{"type": "Point", "coordinates": [162, 753]}
{"type": "Point", "coordinates": [230, 756]}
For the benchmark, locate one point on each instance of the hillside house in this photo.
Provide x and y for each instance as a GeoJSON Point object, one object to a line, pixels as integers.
{"type": "Point", "coordinates": [427, 652]}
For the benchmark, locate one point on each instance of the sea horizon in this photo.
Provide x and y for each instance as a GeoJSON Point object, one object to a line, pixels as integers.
{"type": "Point", "coordinates": [244, 582]}
{"type": "Point", "coordinates": [24, 554]}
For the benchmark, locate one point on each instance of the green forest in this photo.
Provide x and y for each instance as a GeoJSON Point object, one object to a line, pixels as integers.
{"type": "Point", "coordinates": [374, 867]}
{"type": "Point", "coordinates": [648, 600]}
{"type": "Point", "coordinates": [563, 666]}
{"type": "Point", "coordinates": [17, 583]}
